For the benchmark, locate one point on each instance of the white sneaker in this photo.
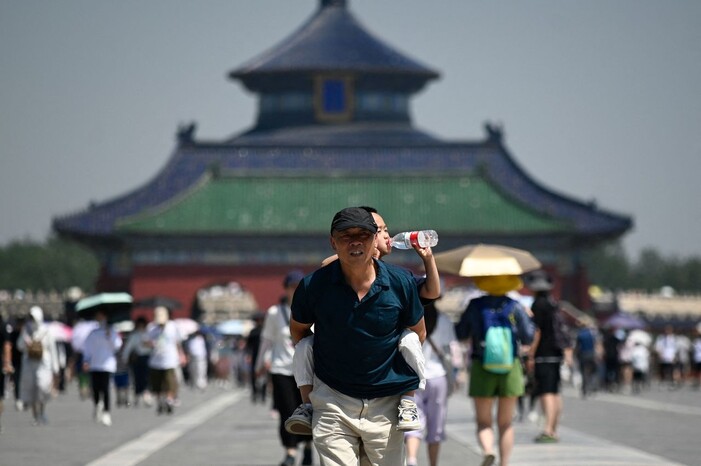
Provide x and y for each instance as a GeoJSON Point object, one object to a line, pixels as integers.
{"type": "Point", "coordinates": [300, 421]}
{"type": "Point", "coordinates": [533, 417]}
{"type": "Point", "coordinates": [408, 416]}
{"type": "Point", "coordinates": [19, 405]}
{"type": "Point", "coordinates": [107, 419]}
{"type": "Point", "coordinates": [97, 412]}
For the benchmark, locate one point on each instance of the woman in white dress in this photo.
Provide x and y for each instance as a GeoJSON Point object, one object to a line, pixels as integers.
{"type": "Point", "coordinates": [39, 366]}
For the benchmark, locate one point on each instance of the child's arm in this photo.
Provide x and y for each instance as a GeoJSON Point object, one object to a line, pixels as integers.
{"type": "Point", "coordinates": [419, 329]}
{"type": "Point", "coordinates": [299, 330]}
{"type": "Point", "coordinates": [432, 287]}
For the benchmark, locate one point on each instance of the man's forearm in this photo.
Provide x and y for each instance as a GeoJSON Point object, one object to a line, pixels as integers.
{"type": "Point", "coordinates": [6, 356]}
{"type": "Point", "coordinates": [432, 287]}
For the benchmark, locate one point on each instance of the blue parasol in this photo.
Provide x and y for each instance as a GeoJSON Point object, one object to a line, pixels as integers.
{"type": "Point", "coordinates": [235, 327]}
{"type": "Point", "coordinates": [625, 321]}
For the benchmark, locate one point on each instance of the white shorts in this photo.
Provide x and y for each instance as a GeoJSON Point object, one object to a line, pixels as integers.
{"type": "Point", "coordinates": [410, 347]}
{"type": "Point", "coordinates": [303, 361]}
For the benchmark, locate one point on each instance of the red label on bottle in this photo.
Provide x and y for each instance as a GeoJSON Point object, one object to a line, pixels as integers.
{"type": "Point", "coordinates": [414, 238]}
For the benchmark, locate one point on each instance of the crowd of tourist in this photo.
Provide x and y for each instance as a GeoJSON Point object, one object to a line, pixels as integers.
{"type": "Point", "coordinates": [603, 359]}
{"type": "Point", "coordinates": [350, 362]}
{"type": "Point", "coordinates": [138, 365]}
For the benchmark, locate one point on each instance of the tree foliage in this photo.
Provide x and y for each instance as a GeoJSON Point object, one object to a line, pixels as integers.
{"type": "Point", "coordinates": [610, 267]}
{"type": "Point", "coordinates": [53, 265]}
{"type": "Point", "coordinates": [58, 264]}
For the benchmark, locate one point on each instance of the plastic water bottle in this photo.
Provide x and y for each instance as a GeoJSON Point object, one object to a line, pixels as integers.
{"type": "Point", "coordinates": [424, 238]}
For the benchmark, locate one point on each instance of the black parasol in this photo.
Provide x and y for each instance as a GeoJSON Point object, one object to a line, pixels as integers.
{"type": "Point", "coordinates": [117, 306]}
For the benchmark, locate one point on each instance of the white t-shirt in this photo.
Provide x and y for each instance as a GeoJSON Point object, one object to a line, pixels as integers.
{"type": "Point", "coordinates": [666, 347]}
{"type": "Point", "coordinates": [136, 343]}
{"type": "Point", "coordinates": [99, 350]}
{"type": "Point", "coordinates": [683, 349]}
{"type": "Point", "coordinates": [165, 350]}
{"type": "Point", "coordinates": [197, 348]}
{"type": "Point", "coordinates": [443, 337]}
{"type": "Point", "coordinates": [640, 358]}
{"type": "Point", "coordinates": [276, 330]}
{"type": "Point", "coordinates": [697, 350]}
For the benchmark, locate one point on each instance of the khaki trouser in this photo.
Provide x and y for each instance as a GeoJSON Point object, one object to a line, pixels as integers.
{"type": "Point", "coordinates": [346, 429]}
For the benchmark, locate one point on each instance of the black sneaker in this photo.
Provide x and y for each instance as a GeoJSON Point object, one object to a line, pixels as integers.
{"type": "Point", "coordinates": [288, 461]}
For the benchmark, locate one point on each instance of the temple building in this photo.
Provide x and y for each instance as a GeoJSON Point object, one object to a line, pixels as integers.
{"type": "Point", "coordinates": [333, 129]}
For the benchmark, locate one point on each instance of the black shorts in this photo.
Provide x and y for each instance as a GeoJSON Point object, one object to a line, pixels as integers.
{"type": "Point", "coordinates": [547, 377]}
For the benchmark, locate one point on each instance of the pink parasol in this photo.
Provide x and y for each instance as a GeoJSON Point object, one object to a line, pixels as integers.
{"type": "Point", "coordinates": [60, 331]}
{"type": "Point", "coordinates": [186, 327]}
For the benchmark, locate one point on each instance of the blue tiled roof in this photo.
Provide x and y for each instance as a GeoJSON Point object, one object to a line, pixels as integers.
{"type": "Point", "coordinates": [371, 133]}
{"type": "Point", "coordinates": [332, 40]}
{"type": "Point", "coordinates": [191, 160]}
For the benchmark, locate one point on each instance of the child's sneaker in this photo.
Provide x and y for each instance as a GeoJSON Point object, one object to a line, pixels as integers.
{"type": "Point", "coordinates": [300, 422]}
{"type": "Point", "coordinates": [408, 415]}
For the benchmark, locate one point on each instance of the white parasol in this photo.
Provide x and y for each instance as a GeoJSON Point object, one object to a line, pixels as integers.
{"type": "Point", "coordinates": [486, 260]}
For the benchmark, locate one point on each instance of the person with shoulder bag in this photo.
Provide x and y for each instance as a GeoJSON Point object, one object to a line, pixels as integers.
{"type": "Point", "coordinates": [432, 401]}
{"type": "Point", "coordinates": [39, 364]}
{"type": "Point", "coordinates": [276, 341]}
{"type": "Point", "coordinates": [551, 346]}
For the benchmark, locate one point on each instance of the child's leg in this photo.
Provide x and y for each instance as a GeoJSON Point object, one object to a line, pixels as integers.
{"type": "Point", "coordinates": [410, 348]}
{"type": "Point", "coordinates": [303, 366]}
{"type": "Point", "coordinates": [300, 421]}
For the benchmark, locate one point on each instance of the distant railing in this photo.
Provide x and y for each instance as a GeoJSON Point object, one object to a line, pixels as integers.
{"type": "Point", "coordinates": [234, 304]}
{"type": "Point", "coordinates": [648, 305]}
{"type": "Point", "coordinates": [17, 303]}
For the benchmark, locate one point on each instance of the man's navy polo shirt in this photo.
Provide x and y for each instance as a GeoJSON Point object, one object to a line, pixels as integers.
{"type": "Point", "coordinates": [356, 342]}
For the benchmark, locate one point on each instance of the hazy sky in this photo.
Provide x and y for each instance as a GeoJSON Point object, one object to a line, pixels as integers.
{"type": "Point", "coordinates": [599, 99]}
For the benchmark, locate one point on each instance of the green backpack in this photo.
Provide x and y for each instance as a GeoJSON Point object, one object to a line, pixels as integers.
{"type": "Point", "coordinates": [499, 340]}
